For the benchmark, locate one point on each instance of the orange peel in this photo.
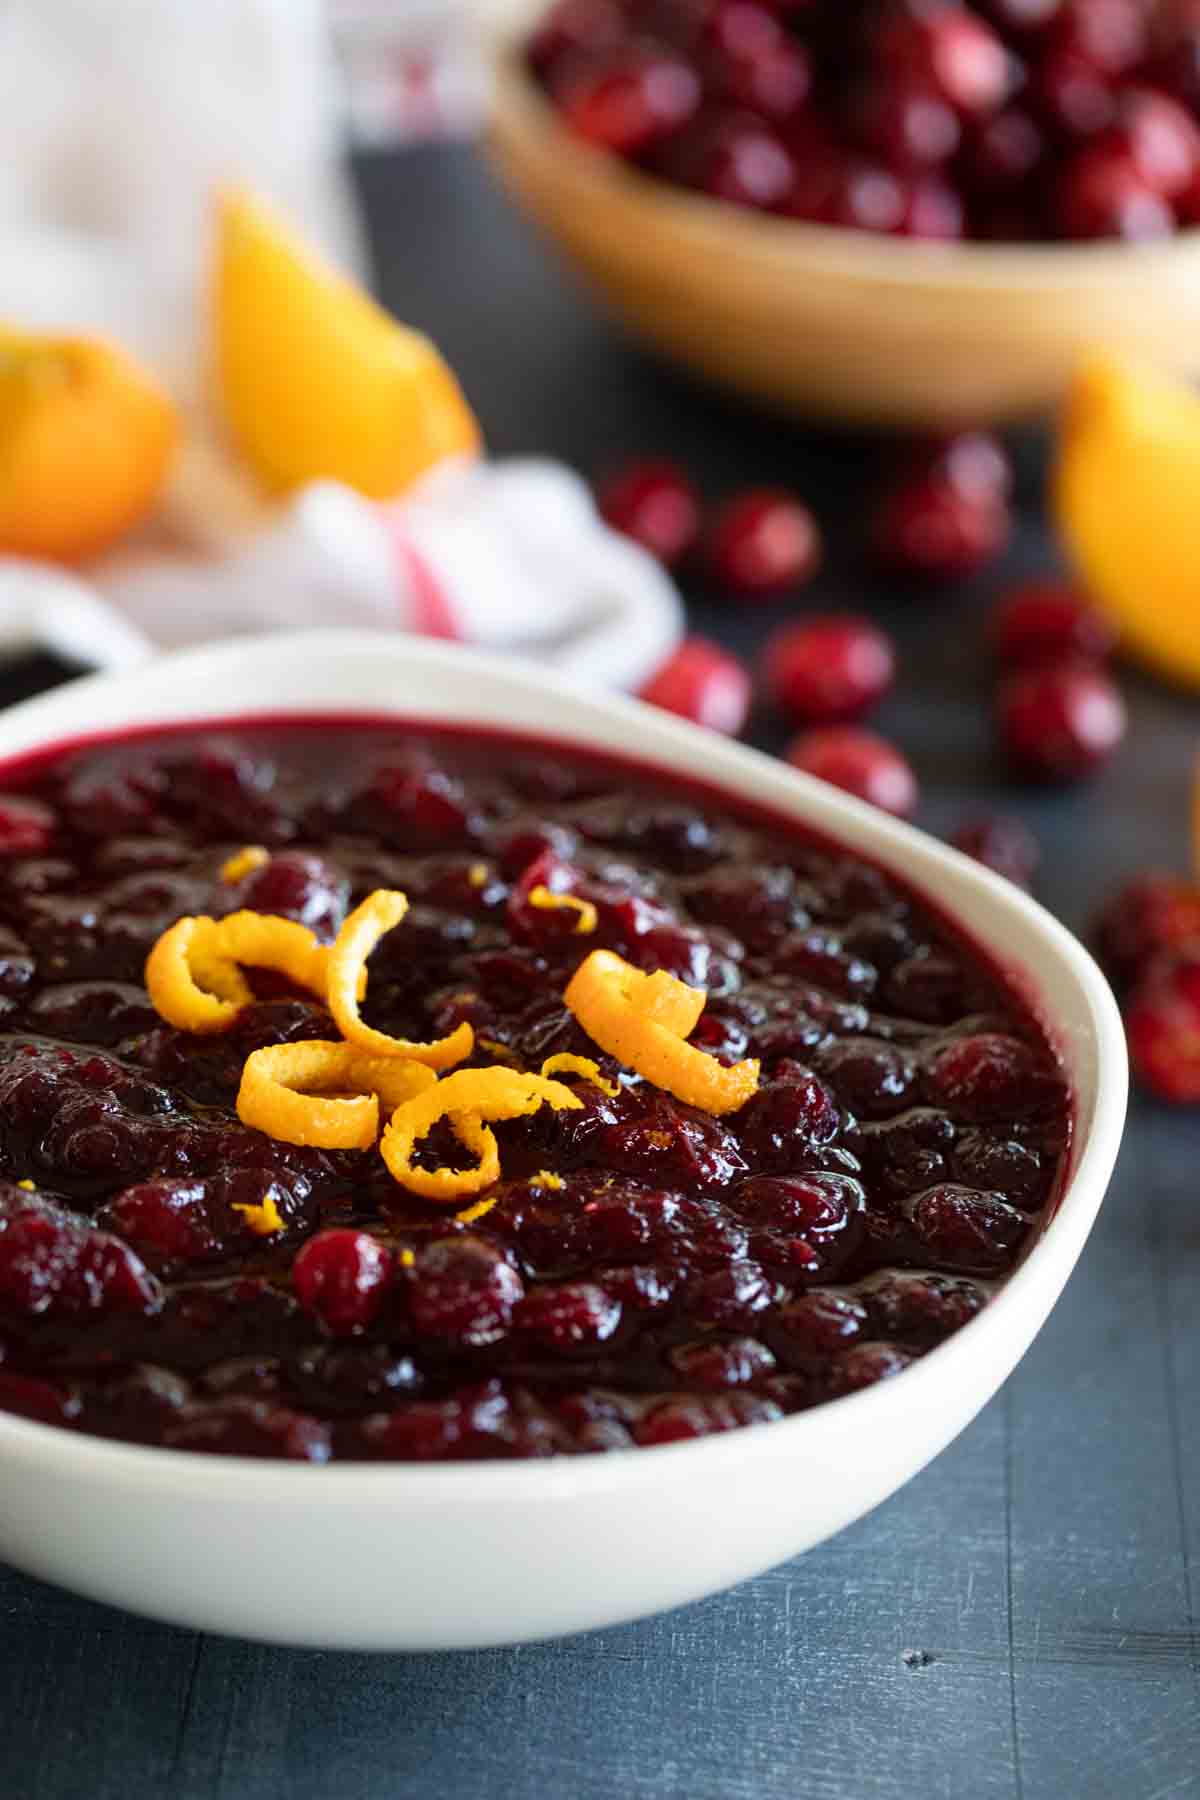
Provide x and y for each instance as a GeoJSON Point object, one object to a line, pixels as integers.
{"type": "Point", "coordinates": [190, 984]}
{"type": "Point", "coordinates": [543, 899]}
{"type": "Point", "coordinates": [265, 1219]}
{"type": "Point", "coordinates": [566, 1063]}
{"type": "Point", "coordinates": [608, 996]}
{"type": "Point", "coordinates": [345, 983]}
{"type": "Point", "coordinates": [286, 1092]}
{"type": "Point", "coordinates": [468, 1098]}
{"type": "Point", "coordinates": [244, 862]}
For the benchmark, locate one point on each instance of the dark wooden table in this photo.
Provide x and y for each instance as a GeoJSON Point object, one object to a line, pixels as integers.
{"type": "Point", "coordinates": [1024, 1618]}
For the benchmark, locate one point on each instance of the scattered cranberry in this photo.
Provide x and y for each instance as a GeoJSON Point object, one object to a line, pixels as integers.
{"type": "Point", "coordinates": [831, 668]}
{"type": "Point", "coordinates": [962, 1229]}
{"type": "Point", "coordinates": [1045, 621]}
{"type": "Point", "coordinates": [1072, 92]}
{"type": "Point", "coordinates": [628, 100]}
{"type": "Point", "coordinates": [737, 158]}
{"type": "Point", "coordinates": [1102, 194]}
{"type": "Point", "coordinates": [1061, 722]}
{"type": "Point", "coordinates": [764, 542]}
{"type": "Point", "coordinates": [26, 826]}
{"type": "Point", "coordinates": [1004, 152]}
{"type": "Point", "coordinates": [861, 762]}
{"type": "Point", "coordinates": [908, 123]}
{"type": "Point", "coordinates": [992, 1076]}
{"type": "Point", "coordinates": [1160, 139]}
{"type": "Point", "coordinates": [703, 683]}
{"type": "Point", "coordinates": [1001, 843]}
{"type": "Point", "coordinates": [929, 529]}
{"type": "Point", "coordinates": [952, 49]}
{"type": "Point", "coordinates": [1152, 913]}
{"type": "Point", "coordinates": [577, 1316]}
{"type": "Point", "coordinates": [932, 210]}
{"type": "Point", "coordinates": [1162, 1022]}
{"type": "Point", "coordinates": [655, 504]}
{"type": "Point", "coordinates": [342, 1277]}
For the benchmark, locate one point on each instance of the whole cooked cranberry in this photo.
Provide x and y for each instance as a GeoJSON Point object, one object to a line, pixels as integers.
{"type": "Point", "coordinates": [787, 1119]}
{"type": "Point", "coordinates": [1003, 152]}
{"type": "Point", "coordinates": [703, 683]}
{"type": "Point", "coordinates": [342, 1278]}
{"type": "Point", "coordinates": [1101, 193]}
{"type": "Point", "coordinates": [812, 1205]}
{"type": "Point", "coordinates": [962, 1229]}
{"type": "Point", "coordinates": [1061, 722]}
{"type": "Point", "coordinates": [677, 1420]}
{"type": "Point", "coordinates": [760, 67]}
{"type": "Point", "coordinates": [574, 26]}
{"type": "Point", "coordinates": [1001, 843]}
{"type": "Point", "coordinates": [863, 1366]}
{"type": "Point", "coordinates": [864, 196]}
{"type": "Point", "coordinates": [463, 1292]}
{"type": "Point", "coordinates": [928, 529]}
{"type": "Point", "coordinates": [26, 826]}
{"type": "Point", "coordinates": [817, 1324]}
{"type": "Point", "coordinates": [1149, 914]}
{"type": "Point", "coordinates": [54, 1265]}
{"type": "Point", "coordinates": [1110, 33]}
{"type": "Point", "coordinates": [721, 1363]}
{"type": "Point", "coordinates": [991, 1076]}
{"type": "Point", "coordinates": [1160, 138]}
{"type": "Point", "coordinates": [925, 1307]}
{"type": "Point", "coordinates": [985, 1159]}
{"type": "Point", "coordinates": [763, 542]}
{"type": "Point", "coordinates": [730, 1296]}
{"type": "Point", "coordinates": [578, 1315]}
{"type": "Point", "coordinates": [654, 503]}
{"type": "Point", "coordinates": [1045, 621]}
{"type": "Point", "coordinates": [906, 122]}
{"type": "Point", "coordinates": [1174, 65]}
{"type": "Point", "coordinates": [244, 1427]}
{"type": "Point", "coordinates": [974, 463]}
{"type": "Point", "coordinates": [952, 50]}
{"type": "Point", "coordinates": [827, 669]}
{"type": "Point", "coordinates": [297, 885]}
{"type": "Point", "coordinates": [1162, 1022]}
{"type": "Point", "coordinates": [627, 99]}
{"type": "Point", "coordinates": [860, 762]}
{"type": "Point", "coordinates": [1071, 91]}
{"type": "Point", "coordinates": [872, 1077]}
{"type": "Point", "coordinates": [737, 158]}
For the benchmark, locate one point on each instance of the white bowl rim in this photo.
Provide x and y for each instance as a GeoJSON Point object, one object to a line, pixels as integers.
{"type": "Point", "coordinates": [798, 246]}
{"type": "Point", "coordinates": [146, 1467]}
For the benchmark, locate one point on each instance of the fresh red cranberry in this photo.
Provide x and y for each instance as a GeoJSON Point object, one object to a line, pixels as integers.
{"type": "Point", "coordinates": [961, 1229]}
{"type": "Point", "coordinates": [1162, 1022]}
{"type": "Point", "coordinates": [1003, 153]}
{"type": "Point", "coordinates": [1072, 92]}
{"type": "Point", "coordinates": [754, 63]}
{"type": "Point", "coordinates": [932, 210]}
{"type": "Point", "coordinates": [991, 1076]}
{"type": "Point", "coordinates": [628, 99]}
{"type": "Point", "coordinates": [574, 26]}
{"type": "Point", "coordinates": [577, 1316]}
{"type": "Point", "coordinates": [737, 158]}
{"type": "Point", "coordinates": [1045, 621]}
{"type": "Point", "coordinates": [907, 123]}
{"type": "Point", "coordinates": [928, 529]}
{"type": "Point", "coordinates": [654, 503]}
{"type": "Point", "coordinates": [861, 763]}
{"type": "Point", "coordinates": [27, 827]}
{"type": "Point", "coordinates": [764, 542]}
{"type": "Point", "coordinates": [1001, 843]}
{"type": "Point", "coordinates": [463, 1292]}
{"type": "Point", "coordinates": [865, 196]}
{"type": "Point", "coordinates": [1102, 194]}
{"type": "Point", "coordinates": [1159, 137]}
{"type": "Point", "coordinates": [1060, 722]}
{"type": "Point", "coordinates": [831, 668]}
{"type": "Point", "coordinates": [974, 464]}
{"type": "Point", "coordinates": [1110, 33]}
{"type": "Point", "coordinates": [1151, 913]}
{"type": "Point", "coordinates": [703, 683]}
{"type": "Point", "coordinates": [342, 1278]}
{"type": "Point", "coordinates": [953, 50]}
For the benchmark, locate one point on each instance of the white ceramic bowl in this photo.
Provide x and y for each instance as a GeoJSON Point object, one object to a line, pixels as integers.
{"type": "Point", "coordinates": [404, 1557]}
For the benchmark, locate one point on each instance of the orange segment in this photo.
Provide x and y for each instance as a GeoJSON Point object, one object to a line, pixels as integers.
{"type": "Point", "coordinates": [1127, 502]}
{"type": "Point", "coordinates": [85, 440]}
{"type": "Point", "coordinates": [314, 379]}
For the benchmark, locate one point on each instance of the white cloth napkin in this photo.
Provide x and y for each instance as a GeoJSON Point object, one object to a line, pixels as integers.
{"type": "Point", "coordinates": [121, 116]}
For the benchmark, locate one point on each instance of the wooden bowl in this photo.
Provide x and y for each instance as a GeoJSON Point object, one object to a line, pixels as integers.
{"type": "Point", "coordinates": [839, 324]}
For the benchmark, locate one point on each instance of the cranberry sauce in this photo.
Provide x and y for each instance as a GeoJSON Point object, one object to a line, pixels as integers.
{"type": "Point", "coordinates": [649, 1272]}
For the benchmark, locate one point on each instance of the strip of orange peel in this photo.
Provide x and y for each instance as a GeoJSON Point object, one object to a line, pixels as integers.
{"type": "Point", "coordinates": [265, 1219]}
{"type": "Point", "coordinates": [378, 914]}
{"type": "Point", "coordinates": [543, 899]}
{"type": "Point", "coordinates": [468, 1098]}
{"type": "Point", "coordinates": [286, 1092]}
{"type": "Point", "coordinates": [608, 996]}
{"type": "Point", "coordinates": [565, 1063]}
{"type": "Point", "coordinates": [192, 973]}
{"type": "Point", "coordinates": [244, 862]}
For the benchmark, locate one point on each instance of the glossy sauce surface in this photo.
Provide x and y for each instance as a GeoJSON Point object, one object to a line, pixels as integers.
{"type": "Point", "coordinates": [678, 1274]}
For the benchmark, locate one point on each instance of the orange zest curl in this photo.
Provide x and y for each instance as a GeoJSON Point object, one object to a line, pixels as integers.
{"type": "Point", "coordinates": [467, 1098]}
{"type": "Point", "coordinates": [544, 900]}
{"type": "Point", "coordinates": [608, 996]}
{"type": "Point", "coordinates": [191, 985]}
{"type": "Point", "coordinates": [323, 1094]}
{"type": "Point", "coordinates": [378, 914]}
{"type": "Point", "coordinates": [480, 1210]}
{"type": "Point", "coordinates": [264, 1219]}
{"type": "Point", "coordinates": [244, 862]}
{"type": "Point", "coordinates": [548, 1179]}
{"type": "Point", "coordinates": [564, 1063]}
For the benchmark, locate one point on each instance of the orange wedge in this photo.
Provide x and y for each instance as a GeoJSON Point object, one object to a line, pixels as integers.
{"type": "Point", "coordinates": [314, 379]}
{"type": "Point", "coordinates": [1127, 501]}
{"type": "Point", "coordinates": [85, 439]}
